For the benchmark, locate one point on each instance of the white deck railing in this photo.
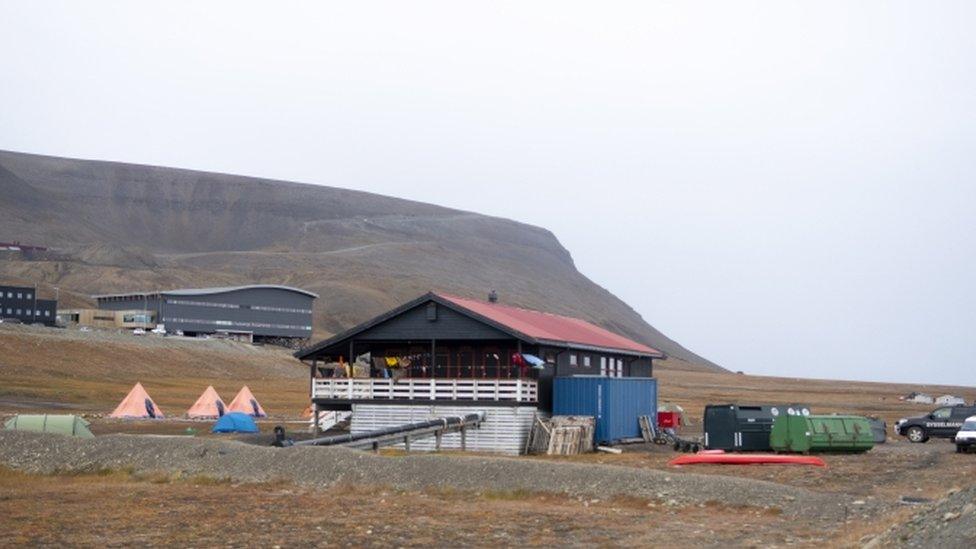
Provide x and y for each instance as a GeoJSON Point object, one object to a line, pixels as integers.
{"type": "Point", "coordinates": [518, 390]}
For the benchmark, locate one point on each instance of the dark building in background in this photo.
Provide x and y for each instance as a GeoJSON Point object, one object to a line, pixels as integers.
{"type": "Point", "coordinates": [258, 312]}
{"type": "Point", "coordinates": [22, 303]}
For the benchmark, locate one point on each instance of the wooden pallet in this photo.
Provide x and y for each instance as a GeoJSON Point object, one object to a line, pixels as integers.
{"type": "Point", "coordinates": [561, 435]}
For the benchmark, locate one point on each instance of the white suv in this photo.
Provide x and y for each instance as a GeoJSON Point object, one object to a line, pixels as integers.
{"type": "Point", "coordinates": [966, 437]}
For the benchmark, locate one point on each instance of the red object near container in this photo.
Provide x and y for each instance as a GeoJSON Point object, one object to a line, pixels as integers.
{"type": "Point", "coordinates": [668, 420]}
{"type": "Point", "coordinates": [746, 459]}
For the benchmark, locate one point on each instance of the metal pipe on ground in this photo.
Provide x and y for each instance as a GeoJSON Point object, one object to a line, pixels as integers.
{"type": "Point", "coordinates": [440, 424]}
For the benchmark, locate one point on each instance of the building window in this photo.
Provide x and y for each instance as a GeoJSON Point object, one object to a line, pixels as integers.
{"type": "Point", "coordinates": [603, 365]}
{"type": "Point", "coordinates": [10, 311]}
{"type": "Point", "coordinates": [20, 312]}
{"type": "Point", "coordinates": [28, 296]}
{"type": "Point", "coordinates": [10, 295]}
{"type": "Point", "coordinates": [586, 361]}
{"type": "Point", "coordinates": [20, 295]}
{"type": "Point", "coordinates": [141, 318]}
{"type": "Point", "coordinates": [572, 359]}
{"type": "Point", "coordinates": [47, 313]}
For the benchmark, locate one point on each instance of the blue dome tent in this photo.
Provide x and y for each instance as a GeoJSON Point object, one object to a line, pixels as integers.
{"type": "Point", "coordinates": [235, 422]}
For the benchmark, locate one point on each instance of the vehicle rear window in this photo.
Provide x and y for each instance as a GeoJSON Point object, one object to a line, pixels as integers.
{"type": "Point", "coordinates": [969, 426]}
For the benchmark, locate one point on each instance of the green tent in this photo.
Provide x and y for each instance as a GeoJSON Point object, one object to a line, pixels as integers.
{"type": "Point", "coordinates": [59, 424]}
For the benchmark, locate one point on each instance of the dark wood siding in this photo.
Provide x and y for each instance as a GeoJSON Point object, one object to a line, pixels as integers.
{"type": "Point", "coordinates": [641, 367]}
{"type": "Point", "coordinates": [414, 324]}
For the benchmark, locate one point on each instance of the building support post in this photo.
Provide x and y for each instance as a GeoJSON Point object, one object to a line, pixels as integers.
{"type": "Point", "coordinates": [433, 358]}
{"type": "Point", "coordinates": [464, 438]}
{"type": "Point", "coordinates": [352, 358]}
{"type": "Point", "coordinates": [315, 418]}
{"type": "Point", "coordinates": [311, 377]}
{"type": "Point", "coordinates": [518, 346]}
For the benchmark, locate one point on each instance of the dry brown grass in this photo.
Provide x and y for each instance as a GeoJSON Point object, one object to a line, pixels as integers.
{"type": "Point", "coordinates": [45, 369]}
{"type": "Point", "coordinates": [40, 510]}
{"type": "Point", "coordinates": [48, 369]}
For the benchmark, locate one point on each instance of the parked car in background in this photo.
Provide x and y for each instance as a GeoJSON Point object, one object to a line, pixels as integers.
{"type": "Point", "coordinates": [939, 423]}
{"type": "Point", "coordinates": [966, 437]}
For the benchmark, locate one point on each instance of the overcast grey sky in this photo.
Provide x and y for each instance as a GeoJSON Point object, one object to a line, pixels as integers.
{"type": "Point", "coordinates": [786, 188]}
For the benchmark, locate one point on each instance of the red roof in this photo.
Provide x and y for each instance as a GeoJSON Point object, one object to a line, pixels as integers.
{"type": "Point", "coordinates": [550, 327]}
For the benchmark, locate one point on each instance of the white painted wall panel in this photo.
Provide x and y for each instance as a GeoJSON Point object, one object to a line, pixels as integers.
{"type": "Point", "coordinates": [504, 430]}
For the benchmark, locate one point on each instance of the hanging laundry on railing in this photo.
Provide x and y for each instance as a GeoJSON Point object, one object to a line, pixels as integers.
{"type": "Point", "coordinates": [535, 361]}
{"type": "Point", "coordinates": [517, 360]}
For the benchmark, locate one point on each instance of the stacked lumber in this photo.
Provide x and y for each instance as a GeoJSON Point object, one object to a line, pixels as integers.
{"type": "Point", "coordinates": [561, 435]}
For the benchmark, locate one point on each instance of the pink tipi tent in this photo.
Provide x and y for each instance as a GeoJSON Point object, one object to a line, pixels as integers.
{"type": "Point", "coordinates": [245, 403]}
{"type": "Point", "coordinates": [136, 405]}
{"type": "Point", "coordinates": [208, 406]}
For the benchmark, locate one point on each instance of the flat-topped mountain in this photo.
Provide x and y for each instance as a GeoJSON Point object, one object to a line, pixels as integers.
{"type": "Point", "coordinates": [114, 227]}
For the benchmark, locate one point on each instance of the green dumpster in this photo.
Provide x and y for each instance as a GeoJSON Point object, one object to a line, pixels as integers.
{"type": "Point", "coordinates": [47, 423]}
{"type": "Point", "coordinates": [821, 433]}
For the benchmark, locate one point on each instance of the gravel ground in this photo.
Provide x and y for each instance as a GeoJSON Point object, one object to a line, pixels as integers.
{"type": "Point", "coordinates": [46, 454]}
{"type": "Point", "coordinates": [949, 524]}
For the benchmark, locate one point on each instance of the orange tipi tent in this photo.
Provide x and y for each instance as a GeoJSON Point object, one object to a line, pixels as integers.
{"type": "Point", "coordinates": [245, 403]}
{"type": "Point", "coordinates": [208, 406]}
{"type": "Point", "coordinates": [137, 404]}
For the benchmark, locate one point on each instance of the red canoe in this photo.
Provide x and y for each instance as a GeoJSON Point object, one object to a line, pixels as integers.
{"type": "Point", "coordinates": [746, 459]}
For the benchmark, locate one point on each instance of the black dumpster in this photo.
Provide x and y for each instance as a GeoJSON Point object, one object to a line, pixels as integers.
{"type": "Point", "coordinates": [741, 427]}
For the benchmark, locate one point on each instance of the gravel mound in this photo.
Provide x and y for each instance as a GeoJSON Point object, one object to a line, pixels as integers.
{"type": "Point", "coordinates": [46, 454]}
{"type": "Point", "coordinates": [948, 524]}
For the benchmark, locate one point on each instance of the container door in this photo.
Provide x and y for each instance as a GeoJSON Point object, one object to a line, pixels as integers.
{"type": "Point", "coordinates": [754, 424]}
{"type": "Point", "coordinates": [754, 437]}
{"type": "Point", "coordinates": [720, 428]}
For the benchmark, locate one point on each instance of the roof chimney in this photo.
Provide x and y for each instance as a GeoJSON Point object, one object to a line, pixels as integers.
{"type": "Point", "coordinates": [493, 296]}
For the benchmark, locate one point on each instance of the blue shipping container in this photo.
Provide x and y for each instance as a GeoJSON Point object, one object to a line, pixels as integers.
{"type": "Point", "coordinates": [615, 402]}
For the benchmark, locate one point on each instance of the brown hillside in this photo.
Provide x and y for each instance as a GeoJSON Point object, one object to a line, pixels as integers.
{"type": "Point", "coordinates": [118, 227]}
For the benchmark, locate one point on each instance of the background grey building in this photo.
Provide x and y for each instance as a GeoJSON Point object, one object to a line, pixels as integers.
{"type": "Point", "coordinates": [260, 312]}
{"type": "Point", "coordinates": [22, 303]}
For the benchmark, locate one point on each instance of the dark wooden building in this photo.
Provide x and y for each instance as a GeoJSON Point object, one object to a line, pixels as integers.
{"type": "Point", "coordinates": [22, 304]}
{"type": "Point", "coordinates": [445, 350]}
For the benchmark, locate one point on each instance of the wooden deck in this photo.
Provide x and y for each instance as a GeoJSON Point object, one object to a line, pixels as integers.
{"type": "Point", "coordinates": [455, 389]}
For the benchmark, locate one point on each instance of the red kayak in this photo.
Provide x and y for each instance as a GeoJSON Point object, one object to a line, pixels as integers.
{"type": "Point", "coordinates": [746, 459]}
